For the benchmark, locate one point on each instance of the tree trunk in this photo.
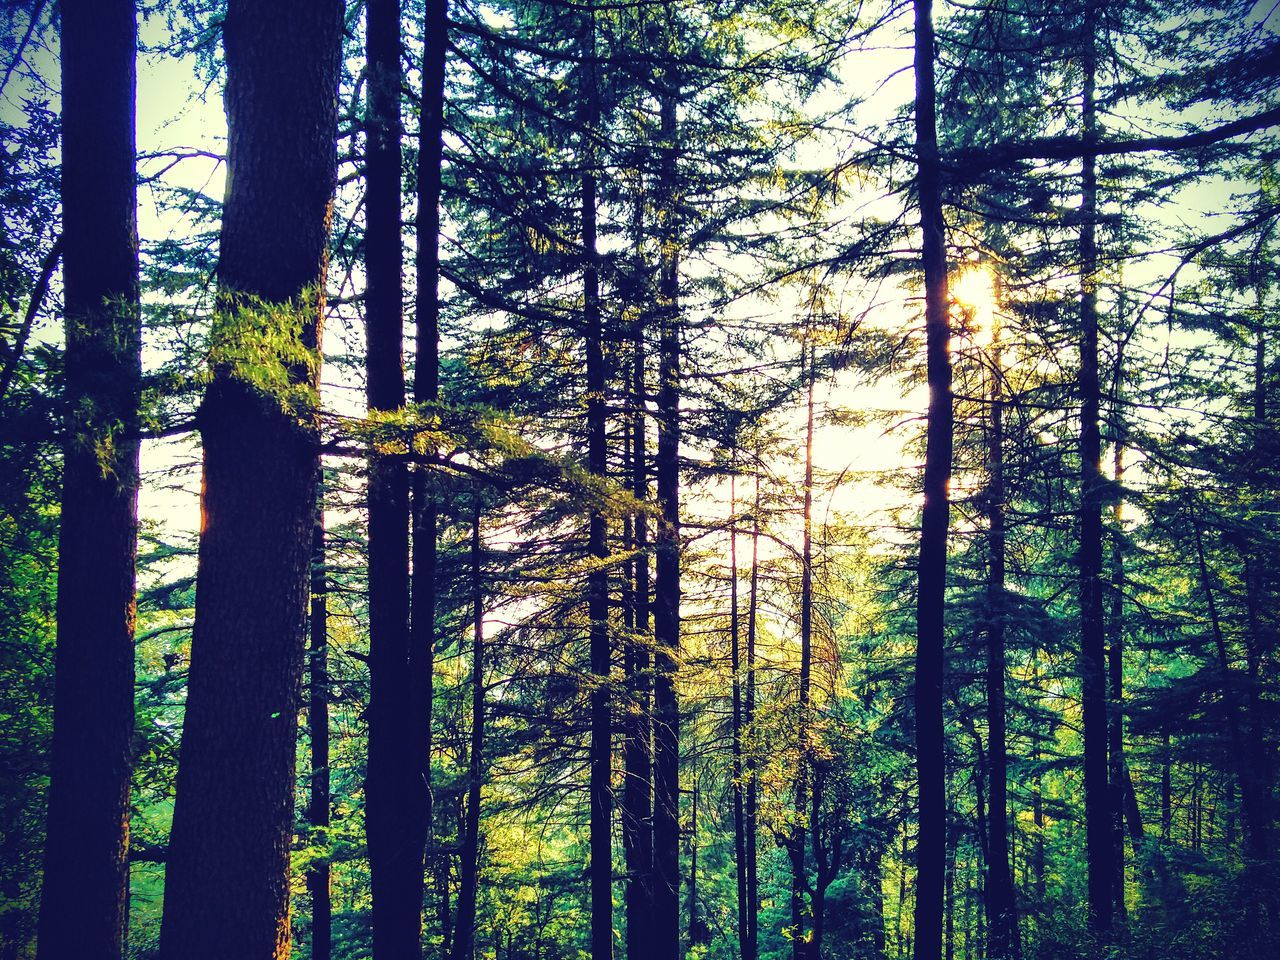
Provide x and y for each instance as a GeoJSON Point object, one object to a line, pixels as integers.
{"type": "Point", "coordinates": [227, 880]}
{"type": "Point", "coordinates": [797, 843]}
{"type": "Point", "coordinates": [426, 389]}
{"type": "Point", "coordinates": [666, 619]}
{"type": "Point", "coordinates": [637, 819]}
{"type": "Point", "coordinates": [393, 786]}
{"type": "Point", "coordinates": [932, 571]}
{"type": "Point", "coordinates": [601, 768]}
{"type": "Point", "coordinates": [750, 814]}
{"type": "Point", "coordinates": [735, 667]}
{"type": "Point", "coordinates": [464, 939]}
{"type": "Point", "coordinates": [1117, 771]}
{"type": "Point", "coordinates": [83, 909]}
{"type": "Point", "coordinates": [318, 875]}
{"type": "Point", "coordinates": [1004, 927]}
{"type": "Point", "coordinates": [1093, 665]}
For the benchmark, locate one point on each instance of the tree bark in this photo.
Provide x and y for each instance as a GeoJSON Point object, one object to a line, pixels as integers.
{"type": "Point", "coordinates": [750, 813]}
{"type": "Point", "coordinates": [637, 819]}
{"type": "Point", "coordinates": [464, 939]}
{"type": "Point", "coordinates": [83, 906]}
{"type": "Point", "coordinates": [1004, 928]}
{"type": "Point", "coordinates": [393, 786]}
{"type": "Point", "coordinates": [735, 667]}
{"type": "Point", "coordinates": [318, 875]}
{"type": "Point", "coordinates": [666, 726]}
{"type": "Point", "coordinates": [426, 391]}
{"type": "Point", "coordinates": [600, 788]}
{"type": "Point", "coordinates": [227, 881]}
{"type": "Point", "coordinates": [1093, 665]}
{"type": "Point", "coordinates": [932, 571]}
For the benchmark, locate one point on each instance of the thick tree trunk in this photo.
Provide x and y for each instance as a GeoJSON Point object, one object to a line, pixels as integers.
{"type": "Point", "coordinates": [394, 795]}
{"type": "Point", "coordinates": [1004, 927]}
{"type": "Point", "coordinates": [84, 894]}
{"type": "Point", "coordinates": [932, 570]}
{"type": "Point", "coordinates": [318, 875]}
{"type": "Point", "coordinates": [1093, 665]}
{"type": "Point", "coordinates": [666, 619]}
{"type": "Point", "coordinates": [637, 798]}
{"type": "Point", "coordinates": [464, 940]}
{"type": "Point", "coordinates": [227, 881]}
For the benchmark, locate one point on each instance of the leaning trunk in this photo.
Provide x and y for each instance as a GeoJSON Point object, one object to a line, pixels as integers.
{"type": "Point", "coordinates": [227, 881]}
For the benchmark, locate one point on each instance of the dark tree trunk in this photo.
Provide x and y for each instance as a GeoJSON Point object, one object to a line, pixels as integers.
{"type": "Point", "coordinates": [800, 941]}
{"type": "Point", "coordinates": [318, 879]}
{"type": "Point", "coordinates": [227, 881]}
{"type": "Point", "coordinates": [426, 388]}
{"type": "Point", "coordinates": [750, 814]}
{"type": "Point", "coordinates": [601, 769]}
{"type": "Point", "coordinates": [932, 571]}
{"type": "Point", "coordinates": [464, 939]}
{"type": "Point", "coordinates": [1117, 771]}
{"type": "Point", "coordinates": [83, 906]}
{"type": "Point", "coordinates": [735, 666]}
{"type": "Point", "coordinates": [1004, 927]}
{"type": "Point", "coordinates": [393, 787]}
{"type": "Point", "coordinates": [1093, 664]}
{"type": "Point", "coordinates": [666, 619]}
{"type": "Point", "coordinates": [637, 819]}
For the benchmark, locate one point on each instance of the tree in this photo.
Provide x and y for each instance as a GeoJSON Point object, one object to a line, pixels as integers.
{"type": "Point", "coordinates": [227, 880]}
{"type": "Point", "coordinates": [86, 871]}
{"type": "Point", "coordinates": [932, 571]}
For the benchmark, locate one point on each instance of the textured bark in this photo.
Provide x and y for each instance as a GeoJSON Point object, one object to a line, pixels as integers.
{"type": "Point", "coordinates": [426, 386]}
{"type": "Point", "coordinates": [801, 941]}
{"type": "Point", "coordinates": [318, 875]}
{"type": "Point", "coordinates": [1116, 770]}
{"type": "Point", "coordinates": [1093, 665]}
{"type": "Point", "coordinates": [637, 798]}
{"type": "Point", "coordinates": [227, 882]}
{"type": "Point", "coordinates": [932, 570]}
{"type": "Point", "coordinates": [469, 857]}
{"type": "Point", "coordinates": [1004, 925]}
{"type": "Point", "coordinates": [666, 608]}
{"type": "Point", "coordinates": [750, 812]}
{"type": "Point", "coordinates": [601, 770]}
{"type": "Point", "coordinates": [394, 792]}
{"type": "Point", "coordinates": [83, 908]}
{"type": "Point", "coordinates": [739, 775]}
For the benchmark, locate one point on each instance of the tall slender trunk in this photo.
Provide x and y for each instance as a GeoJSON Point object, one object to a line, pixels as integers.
{"type": "Point", "coordinates": [1093, 665]}
{"type": "Point", "coordinates": [1252, 791]}
{"type": "Point", "coordinates": [932, 570]}
{"type": "Point", "coordinates": [393, 787]}
{"type": "Point", "coordinates": [800, 941]}
{"type": "Point", "coordinates": [601, 771]}
{"type": "Point", "coordinates": [735, 668]}
{"type": "Point", "coordinates": [1004, 927]}
{"type": "Point", "coordinates": [750, 813]}
{"type": "Point", "coordinates": [666, 609]}
{"type": "Point", "coordinates": [1118, 772]}
{"type": "Point", "coordinates": [637, 820]}
{"type": "Point", "coordinates": [227, 877]}
{"type": "Point", "coordinates": [426, 390]}
{"type": "Point", "coordinates": [1166, 789]}
{"type": "Point", "coordinates": [83, 906]}
{"type": "Point", "coordinates": [318, 873]}
{"type": "Point", "coordinates": [464, 940]}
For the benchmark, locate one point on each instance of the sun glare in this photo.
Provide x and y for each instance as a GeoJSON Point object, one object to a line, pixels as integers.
{"type": "Point", "coordinates": [975, 291]}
